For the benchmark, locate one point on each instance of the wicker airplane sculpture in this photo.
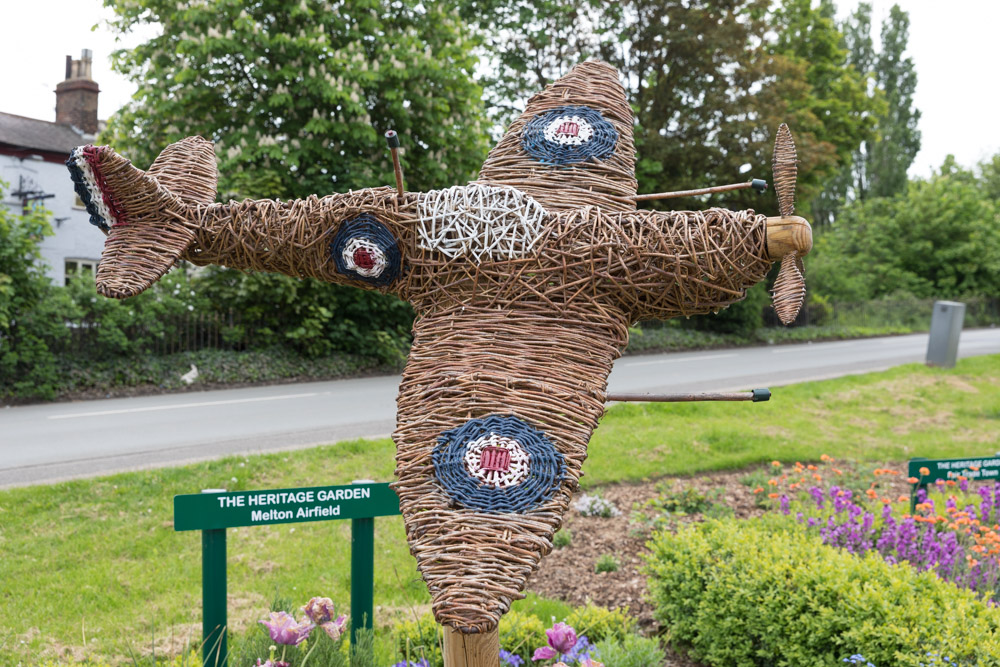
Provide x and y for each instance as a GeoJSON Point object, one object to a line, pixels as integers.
{"type": "Point", "coordinates": [524, 283]}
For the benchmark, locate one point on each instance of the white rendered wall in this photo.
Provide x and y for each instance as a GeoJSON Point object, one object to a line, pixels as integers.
{"type": "Point", "coordinates": [75, 237]}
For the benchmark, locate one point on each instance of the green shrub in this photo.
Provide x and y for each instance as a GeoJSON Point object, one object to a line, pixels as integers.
{"type": "Point", "coordinates": [763, 592]}
{"type": "Point", "coordinates": [32, 312]}
{"type": "Point", "coordinates": [606, 563]}
{"type": "Point", "coordinates": [599, 623]}
{"type": "Point", "coordinates": [562, 538]}
{"type": "Point", "coordinates": [741, 318]}
{"type": "Point", "coordinates": [630, 651]}
{"type": "Point", "coordinates": [420, 638]}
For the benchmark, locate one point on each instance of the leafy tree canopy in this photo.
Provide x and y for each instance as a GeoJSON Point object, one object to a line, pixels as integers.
{"type": "Point", "coordinates": [940, 239]}
{"type": "Point", "coordinates": [296, 95]}
{"type": "Point", "coordinates": [710, 81]}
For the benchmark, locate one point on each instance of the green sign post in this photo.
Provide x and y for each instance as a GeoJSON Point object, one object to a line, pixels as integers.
{"type": "Point", "coordinates": [214, 510]}
{"type": "Point", "coordinates": [929, 471]}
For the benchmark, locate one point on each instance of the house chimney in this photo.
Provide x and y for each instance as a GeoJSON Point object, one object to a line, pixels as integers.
{"type": "Point", "coordinates": [76, 97]}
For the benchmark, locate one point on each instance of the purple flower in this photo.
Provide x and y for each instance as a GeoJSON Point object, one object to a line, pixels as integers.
{"type": "Point", "coordinates": [284, 629]}
{"type": "Point", "coordinates": [561, 637]}
{"type": "Point", "coordinates": [510, 659]}
{"type": "Point", "coordinates": [335, 628]}
{"type": "Point", "coordinates": [544, 653]}
{"type": "Point", "coordinates": [319, 610]}
{"type": "Point", "coordinates": [419, 663]}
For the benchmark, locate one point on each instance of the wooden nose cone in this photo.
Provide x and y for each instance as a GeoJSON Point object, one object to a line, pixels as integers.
{"type": "Point", "coordinates": [787, 234]}
{"type": "Point", "coordinates": [562, 180]}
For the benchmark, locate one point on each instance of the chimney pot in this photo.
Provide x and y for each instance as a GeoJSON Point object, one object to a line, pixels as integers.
{"type": "Point", "coordinates": [76, 97]}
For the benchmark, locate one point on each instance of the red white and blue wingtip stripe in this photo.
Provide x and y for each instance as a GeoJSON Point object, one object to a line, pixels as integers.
{"type": "Point", "coordinates": [84, 170]}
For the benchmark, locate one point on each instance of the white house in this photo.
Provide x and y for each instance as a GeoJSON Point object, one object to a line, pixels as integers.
{"type": "Point", "coordinates": [33, 154]}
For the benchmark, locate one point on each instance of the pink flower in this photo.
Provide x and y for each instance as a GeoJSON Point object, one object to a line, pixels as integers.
{"type": "Point", "coordinates": [320, 610]}
{"type": "Point", "coordinates": [284, 629]}
{"type": "Point", "coordinates": [335, 628]}
{"type": "Point", "coordinates": [590, 662]}
{"type": "Point", "coordinates": [561, 637]}
{"type": "Point", "coordinates": [544, 653]}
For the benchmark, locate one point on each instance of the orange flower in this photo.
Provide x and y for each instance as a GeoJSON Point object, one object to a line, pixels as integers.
{"type": "Point", "coordinates": [962, 479]}
{"type": "Point", "coordinates": [886, 501]}
{"type": "Point", "coordinates": [951, 482]}
{"type": "Point", "coordinates": [772, 495]}
{"type": "Point", "coordinates": [973, 468]}
{"type": "Point", "coordinates": [912, 480]}
{"type": "Point", "coordinates": [902, 499]}
{"type": "Point", "coordinates": [837, 471]}
{"type": "Point", "coordinates": [758, 489]}
{"type": "Point", "coordinates": [824, 457]}
{"type": "Point", "coordinates": [776, 464]}
{"type": "Point", "coordinates": [924, 472]}
{"type": "Point", "coordinates": [812, 467]}
{"type": "Point", "coordinates": [772, 482]}
{"type": "Point", "coordinates": [817, 477]}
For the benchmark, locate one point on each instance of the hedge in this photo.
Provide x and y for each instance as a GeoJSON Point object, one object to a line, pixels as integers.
{"type": "Point", "coordinates": [762, 592]}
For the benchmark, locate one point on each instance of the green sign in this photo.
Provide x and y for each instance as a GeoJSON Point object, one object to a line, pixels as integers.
{"type": "Point", "coordinates": [982, 468]}
{"type": "Point", "coordinates": [208, 510]}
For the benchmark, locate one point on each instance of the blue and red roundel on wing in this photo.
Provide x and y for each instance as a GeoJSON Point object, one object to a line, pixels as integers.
{"type": "Point", "coordinates": [364, 249]}
{"type": "Point", "coordinates": [497, 464]}
{"type": "Point", "coordinates": [569, 135]}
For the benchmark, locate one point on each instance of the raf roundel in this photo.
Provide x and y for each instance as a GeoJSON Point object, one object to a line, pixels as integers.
{"type": "Point", "coordinates": [568, 135]}
{"type": "Point", "coordinates": [364, 249]}
{"type": "Point", "coordinates": [497, 464]}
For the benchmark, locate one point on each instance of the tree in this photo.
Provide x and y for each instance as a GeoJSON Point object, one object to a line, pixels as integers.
{"type": "Point", "coordinates": [296, 97]}
{"type": "Point", "coordinates": [31, 309]}
{"type": "Point", "coordinates": [898, 137]}
{"type": "Point", "coordinates": [939, 239]}
{"type": "Point", "coordinates": [527, 44]}
{"type": "Point", "coordinates": [879, 163]}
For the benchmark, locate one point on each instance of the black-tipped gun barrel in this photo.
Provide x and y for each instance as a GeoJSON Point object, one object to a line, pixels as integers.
{"type": "Point", "coordinates": [756, 396]}
{"type": "Point", "coordinates": [758, 184]}
{"type": "Point", "coordinates": [392, 139]}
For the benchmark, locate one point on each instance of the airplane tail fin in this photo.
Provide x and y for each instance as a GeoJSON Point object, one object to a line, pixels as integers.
{"type": "Point", "coordinates": [143, 213]}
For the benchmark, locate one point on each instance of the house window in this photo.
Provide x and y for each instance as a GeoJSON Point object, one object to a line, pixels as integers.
{"type": "Point", "coordinates": [75, 267]}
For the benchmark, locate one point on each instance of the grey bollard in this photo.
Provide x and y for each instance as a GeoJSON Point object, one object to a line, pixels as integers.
{"type": "Point", "coordinates": [946, 327]}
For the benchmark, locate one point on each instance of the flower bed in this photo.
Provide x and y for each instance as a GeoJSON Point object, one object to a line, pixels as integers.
{"type": "Point", "coordinates": [953, 532]}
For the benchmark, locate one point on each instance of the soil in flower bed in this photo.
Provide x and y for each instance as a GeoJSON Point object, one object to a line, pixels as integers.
{"type": "Point", "coordinates": [569, 572]}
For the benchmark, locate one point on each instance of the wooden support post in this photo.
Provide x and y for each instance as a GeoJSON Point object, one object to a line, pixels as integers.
{"type": "Point", "coordinates": [478, 650]}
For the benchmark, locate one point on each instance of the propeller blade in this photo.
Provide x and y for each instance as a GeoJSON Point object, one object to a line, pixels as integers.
{"type": "Point", "coordinates": [789, 288]}
{"type": "Point", "coordinates": [785, 168]}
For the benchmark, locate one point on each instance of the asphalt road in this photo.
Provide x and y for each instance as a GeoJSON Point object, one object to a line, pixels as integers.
{"type": "Point", "coordinates": [46, 443]}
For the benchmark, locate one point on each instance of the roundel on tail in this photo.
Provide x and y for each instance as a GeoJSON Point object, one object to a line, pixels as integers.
{"type": "Point", "coordinates": [568, 135]}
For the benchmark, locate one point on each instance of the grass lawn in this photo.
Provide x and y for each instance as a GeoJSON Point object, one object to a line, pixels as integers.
{"type": "Point", "coordinates": [87, 566]}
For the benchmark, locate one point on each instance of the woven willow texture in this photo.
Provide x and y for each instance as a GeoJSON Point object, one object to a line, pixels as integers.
{"type": "Point", "coordinates": [522, 307]}
{"type": "Point", "coordinates": [606, 183]}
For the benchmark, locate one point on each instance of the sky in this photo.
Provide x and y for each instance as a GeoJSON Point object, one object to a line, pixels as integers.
{"type": "Point", "coordinates": [953, 45]}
